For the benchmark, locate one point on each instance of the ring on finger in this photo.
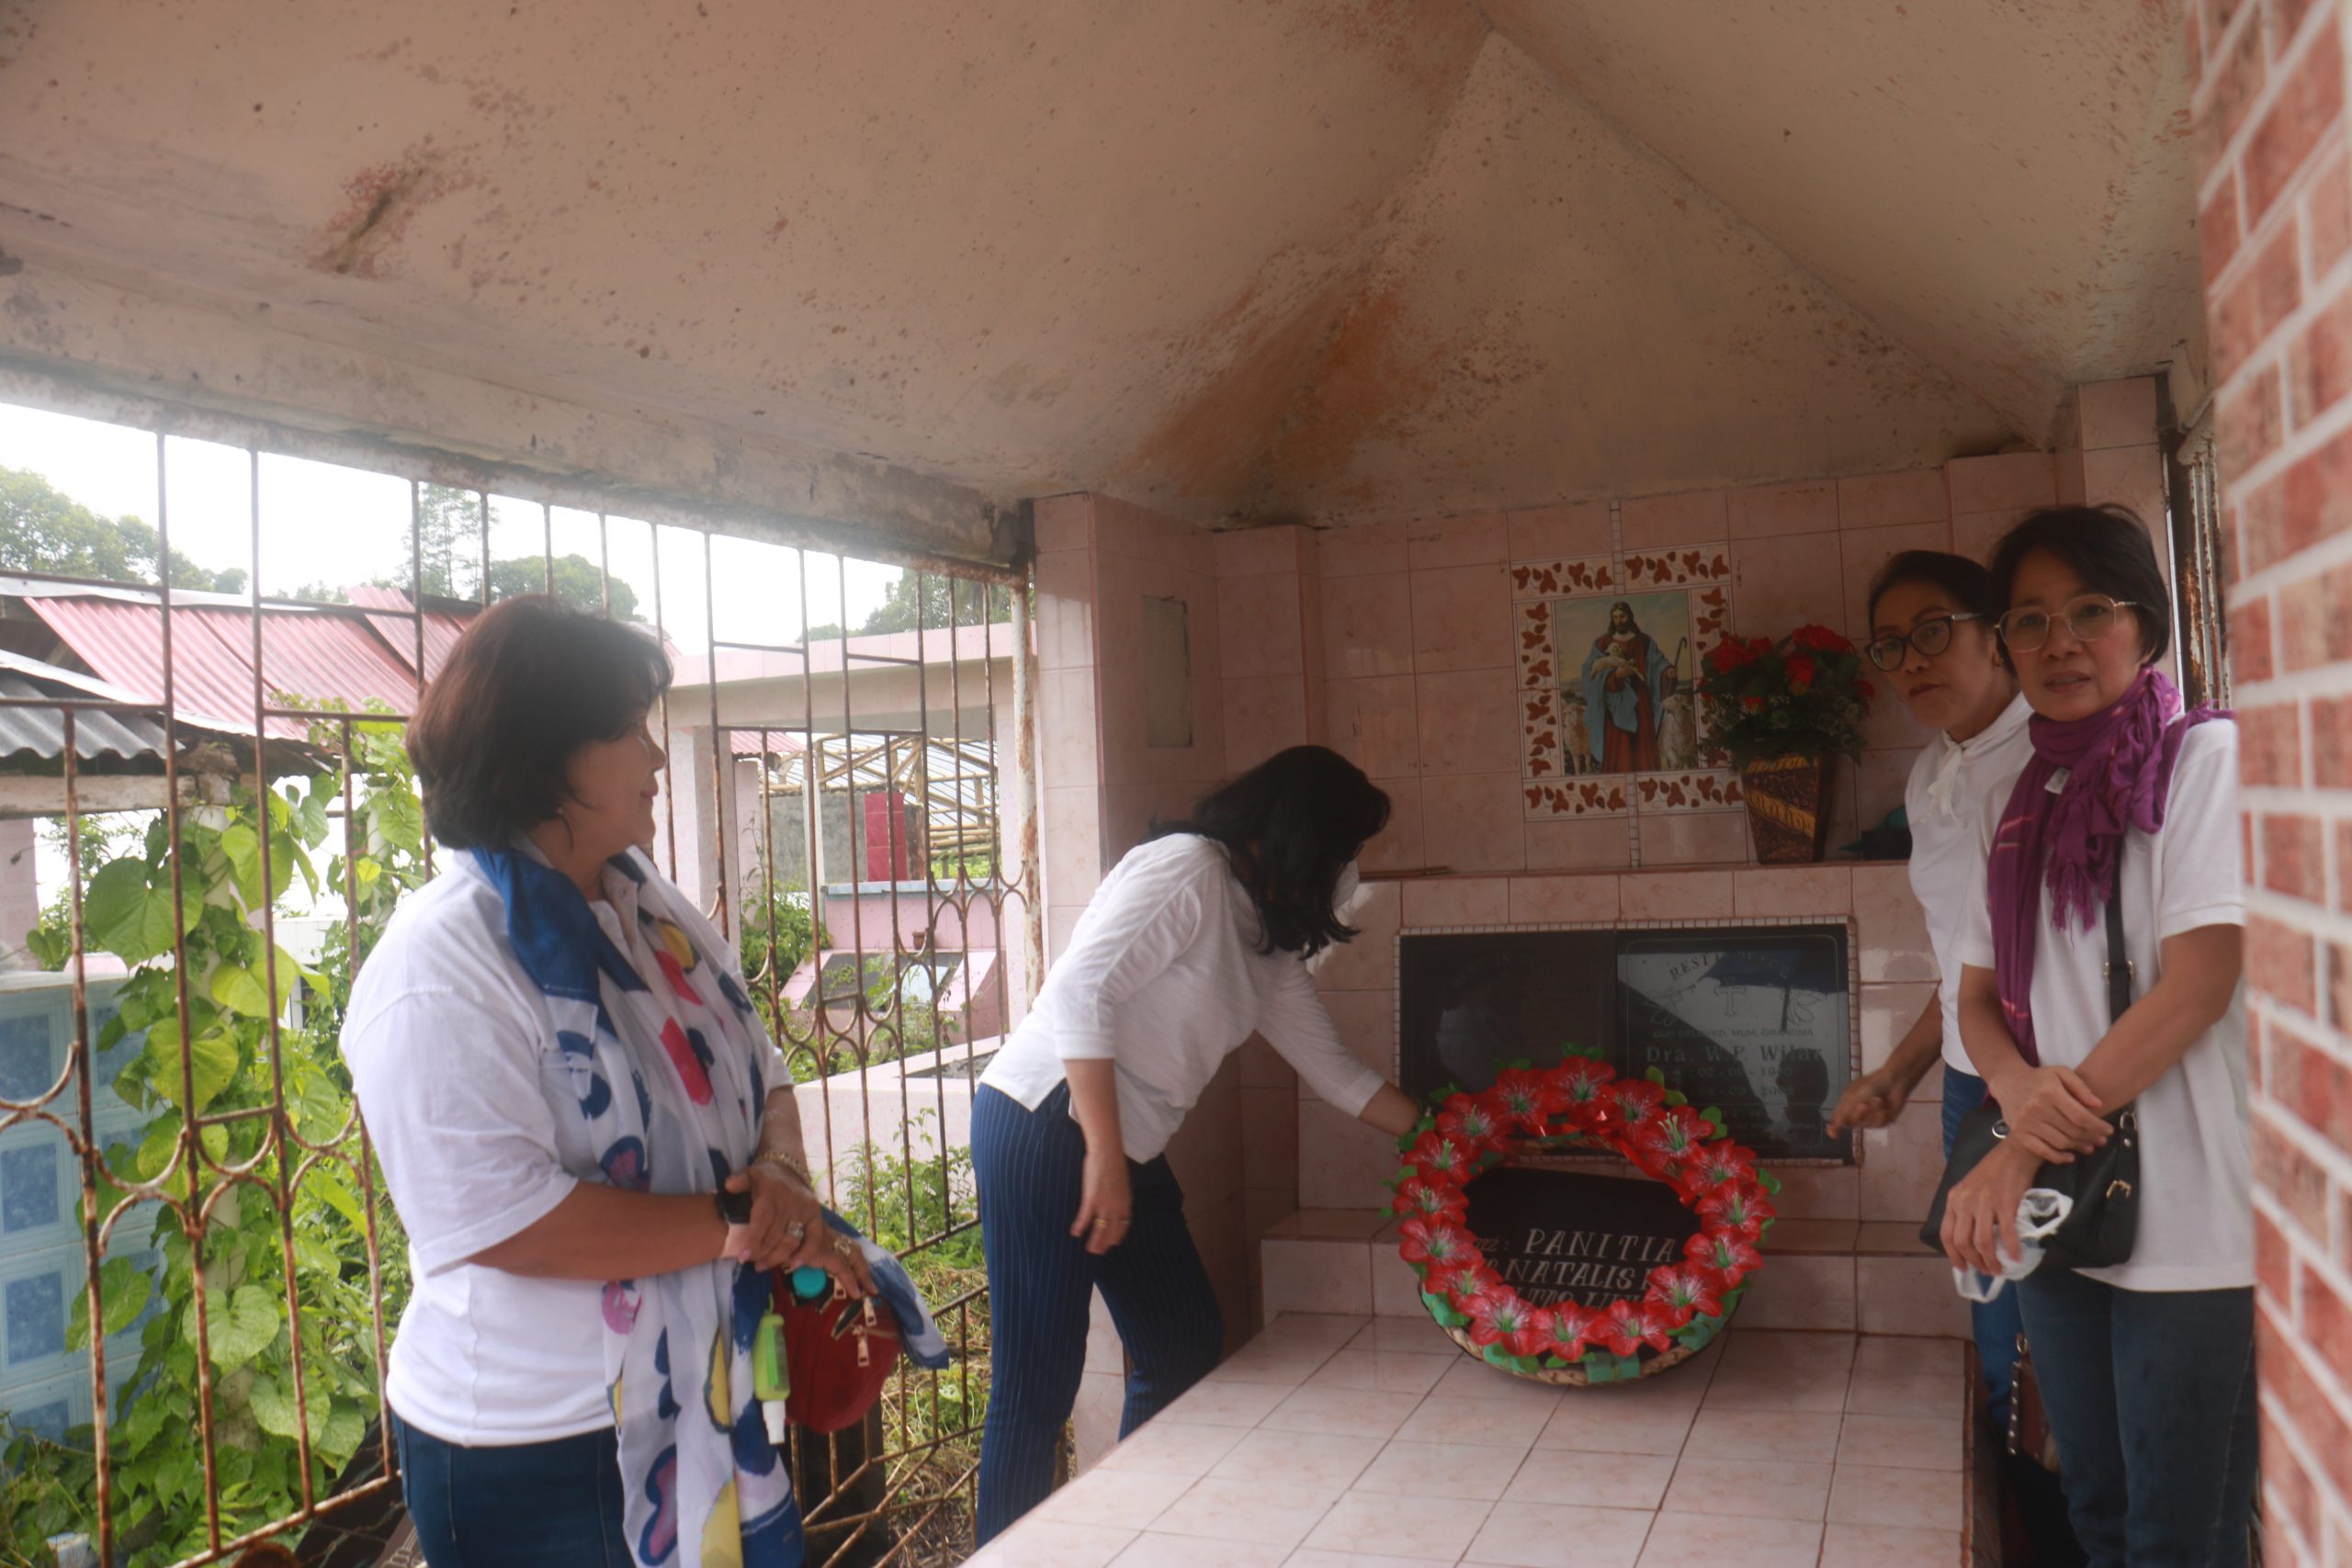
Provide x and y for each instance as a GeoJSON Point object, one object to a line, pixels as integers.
{"type": "Point", "coordinates": [796, 1231]}
{"type": "Point", "coordinates": [845, 1247]}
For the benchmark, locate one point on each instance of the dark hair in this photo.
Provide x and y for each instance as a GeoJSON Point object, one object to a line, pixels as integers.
{"type": "Point", "coordinates": [1963, 583]}
{"type": "Point", "coordinates": [2108, 549]}
{"type": "Point", "coordinates": [531, 681]}
{"type": "Point", "coordinates": [1291, 824]}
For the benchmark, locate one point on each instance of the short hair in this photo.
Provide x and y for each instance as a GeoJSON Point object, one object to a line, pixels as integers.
{"type": "Point", "coordinates": [531, 681]}
{"type": "Point", "coordinates": [1967, 585]}
{"type": "Point", "coordinates": [2109, 549]}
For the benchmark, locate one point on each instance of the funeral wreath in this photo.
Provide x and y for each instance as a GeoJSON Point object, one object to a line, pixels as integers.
{"type": "Point", "coordinates": [1581, 1106]}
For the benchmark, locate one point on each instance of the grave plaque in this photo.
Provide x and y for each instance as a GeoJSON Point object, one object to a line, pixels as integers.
{"type": "Point", "coordinates": [1583, 1234]}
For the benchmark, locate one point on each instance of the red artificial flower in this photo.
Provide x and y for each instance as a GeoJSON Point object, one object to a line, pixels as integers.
{"type": "Point", "coordinates": [1441, 1155]}
{"type": "Point", "coordinates": [1721, 1164]}
{"type": "Point", "coordinates": [1629, 1325]}
{"type": "Point", "coordinates": [1580, 1078]}
{"type": "Point", "coordinates": [1500, 1317]}
{"type": "Point", "coordinates": [1637, 1100]}
{"type": "Point", "coordinates": [1729, 655]}
{"type": "Point", "coordinates": [1686, 1287]}
{"type": "Point", "coordinates": [1434, 1243]}
{"type": "Point", "coordinates": [1462, 1281]}
{"type": "Point", "coordinates": [1526, 1099]}
{"type": "Point", "coordinates": [1751, 703]}
{"type": "Point", "coordinates": [1574, 1330]}
{"type": "Point", "coordinates": [1728, 1255]}
{"type": "Point", "coordinates": [1469, 1121]}
{"type": "Point", "coordinates": [1740, 1209]}
{"type": "Point", "coordinates": [1674, 1135]}
{"type": "Point", "coordinates": [1430, 1199]}
{"type": "Point", "coordinates": [1820, 639]}
{"type": "Point", "coordinates": [1800, 673]}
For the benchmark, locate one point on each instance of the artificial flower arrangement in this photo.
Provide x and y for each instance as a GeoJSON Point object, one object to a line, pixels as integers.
{"type": "Point", "coordinates": [1805, 695]}
{"type": "Point", "coordinates": [1582, 1103]}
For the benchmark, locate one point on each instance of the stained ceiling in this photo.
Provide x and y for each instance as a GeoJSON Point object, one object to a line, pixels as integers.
{"type": "Point", "coordinates": [1243, 259]}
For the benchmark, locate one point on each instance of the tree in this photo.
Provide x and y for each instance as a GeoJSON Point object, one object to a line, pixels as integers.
{"type": "Point", "coordinates": [43, 529]}
{"type": "Point", "coordinates": [923, 602]}
{"type": "Point", "coordinates": [449, 531]}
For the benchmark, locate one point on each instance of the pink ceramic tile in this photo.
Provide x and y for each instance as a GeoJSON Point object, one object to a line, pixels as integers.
{"type": "Point", "coordinates": [1884, 1238]}
{"type": "Point", "coordinates": [1270, 1510]}
{"type": "Point", "coordinates": [1697, 1540]}
{"type": "Point", "coordinates": [1127, 1499]}
{"type": "Point", "coordinates": [1536, 1535]}
{"type": "Point", "coordinates": [1470, 1378]}
{"type": "Point", "coordinates": [1456, 541]}
{"type": "Point", "coordinates": [1311, 1459]}
{"type": "Point", "coordinates": [1910, 1295]}
{"type": "Point", "coordinates": [1767, 1370]}
{"type": "Point", "coordinates": [1467, 1419]}
{"type": "Point", "coordinates": [1802, 1292]}
{"type": "Point", "coordinates": [1155, 1549]}
{"type": "Point", "coordinates": [1469, 721]}
{"type": "Point", "coordinates": [1541, 900]}
{"type": "Point", "coordinates": [1065, 610]}
{"type": "Point", "coordinates": [1342, 1164]}
{"type": "Point", "coordinates": [2130, 477]}
{"type": "Point", "coordinates": [1907, 1442]}
{"type": "Point", "coordinates": [1373, 723]}
{"type": "Point", "coordinates": [1808, 1436]}
{"type": "Point", "coordinates": [1398, 847]}
{"type": "Point", "coordinates": [1892, 1356]}
{"type": "Point", "coordinates": [1462, 620]}
{"type": "Point", "coordinates": [1778, 585]}
{"type": "Point", "coordinates": [1094, 1418]}
{"type": "Point", "coordinates": [1901, 1164]}
{"type": "Point", "coordinates": [2067, 470]}
{"type": "Point", "coordinates": [1263, 715]}
{"type": "Point", "coordinates": [1467, 1470]}
{"type": "Point", "coordinates": [1330, 1329]}
{"type": "Point", "coordinates": [2118, 414]}
{"type": "Point", "coordinates": [1883, 1546]}
{"type": "Point", "coordinates": [1395, 1289]}
{"type": "Point", "coordinates": [1269, 1137]}
{"type": "Point", "coordinates": [1992, 484]}
{"type": "Point", "coordinates": [1865, 550]}
{"type": "Point", "coordinates": [1435, 1528]}
{"type": "Point", "coordinates": [1315, 1276]}
{"type": "Point", "coordinates": [1631, 1481]}
{"type": "Point", "coordinates": [1892, 926]}
{"type": "Point", "coordinates": [1888, 1013]}
{"type": "Point", "coordinates": [1174, 1447]}
{"type": "Point", "coordinates": [1367, 961]}
{"type": "Point", "coordinates": [1066, 737]}
{"type": "Point", "coordinates": [1073, 843]}
{"type": "Point", "coordinates": [1878, 501]}
{"type": "Point", "coordinates": [1760, 1489]}
{"type": "Point", "coordinates": [1048, 1543]}
{"type": "Point", "coordinates": [1974, 533]}
{"type": "Point", "coordinates": [1879, 779]}
{"type": "Point", "coordinates": [1362, 549]}
{"type": "Point", "coordinates": [1367, 1022]}
{"type": "Point", "coordinates": [1810, 1235]}
{"type": "Point", "coordinates": [1593, 843]}
{"type": "Point", "coordinates": [1809, 506]}
{"type": "Point", "coordinates": [1390, 1369]}
{"type": "Point", "coordinates": [1247, 552]}
{"type": "Point", "coordinates": [1286, 1366]}
{"type": "Point", "coordinates": [1594, 1421]}
{"type": "Point", "coordinates": [1794, 890]}
{"type": "Point", "coordinates": [1064, 522]}
{"type": "Point", "coordinates": [1693, 517]}
{"type": "Point", "coordinates": [1557, 533]}
{"type": "Point", "coordinates": [1227, 1404]}
{"type": "Point", "coordinates": [1694, 838]}
{"type": "Point", "coordinates": [1263, 630]}
{"type": "Point", "coordinates": [1406, 1336]}
{"type": "Point", "coordinates": [1882, 1494]}
{"type": "Point", "coordinates": [1368, 626]}
{"type": "Point", "coordinates": [1889, 727]}
{"type": "Point", "coordinates": [1347, 1412]}
{"type": "Point", "coordinates": [1327, 1224]}
{"type": "Point", "coordinates": [1940, 1396]}
{"type": "Point", "coordinates": [1311, 1557]}
{"type": "Point", "coordinates": [1456, 901]}
{"type": "Point", "coordinates": [1473, 822]}
{"type": "Point", "coordinates": [1819, 1192]}
{"type": "Point", "coordinates": [1674, 896]}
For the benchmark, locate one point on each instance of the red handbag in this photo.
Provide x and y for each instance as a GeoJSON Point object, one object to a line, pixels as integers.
{"type": "Point", "coordinates": [839, 1350]}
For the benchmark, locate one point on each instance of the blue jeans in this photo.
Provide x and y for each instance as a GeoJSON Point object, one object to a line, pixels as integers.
{"type": "Point", "coordinates": [554, 1504]}
{"type": "Point", "coordinates": [1995, 1323]}
{"type": "Point", "coordinates": [2151, 1396]}
{"type": "Point", "coordinates": [1029, 1166]}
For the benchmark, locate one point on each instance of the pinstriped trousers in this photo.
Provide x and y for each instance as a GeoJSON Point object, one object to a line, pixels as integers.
{"type": "Point", "coordinates": [1029, 1166]}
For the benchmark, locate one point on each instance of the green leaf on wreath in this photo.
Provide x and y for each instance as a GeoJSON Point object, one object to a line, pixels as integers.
{"type": "Point", "coordinates": [1713, 1116]}
{"type": "Point", "coordinates": [1604, 1366]}
{"type": "Point", "coordinates": [1767, 1180]}
{"type": "Point", "coordinates": [1676, 1097]}
{"type": "Point", "coordinates": [1656, 1076]}
{"type": "Point", "coordinates": [1552, 1362]}
{"type": "Point", "coordinates": [1496, 1356]}
{"type": "Point", "coordinates": [1519, 1063]}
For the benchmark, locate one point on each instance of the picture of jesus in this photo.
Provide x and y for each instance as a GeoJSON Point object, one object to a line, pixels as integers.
{"type": "Point", "coordinates": [1627, 681]}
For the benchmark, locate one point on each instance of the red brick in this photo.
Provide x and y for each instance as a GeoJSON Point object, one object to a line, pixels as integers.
{"type": "Point", "coordinates": [2319, 363]}
{"type": "Point", "coordinates": [2256, 1072]}
{"type": "Point", "coordinates": [2234, 77]}
{"type": "Point", "coordinates": [2344, 865]}
{"type": "Point", "coordinates": [2244, 317]}
{"type": "Point", "coordinates": [2290, 1175]}
{"type": "Point", "coordinates": [2311, 502]}
{"type": "Point", "coordinates": [2331, 743]}
{"type": "Point", "coordinates": [2287, 1487]}
{"type": "Point", "coordinates": [2282, 18]}
{"type": "Point", "coordinates": [2231, 529]}
{"type": "Point", "coordinates": [2299, 114]}
{"type": "Point", "coordinates": [2270, 746]}
{"type": "Point", "coordinates": [2306, 1079]}
{"type": "Point", "coordinates": [2286, 1374]}
{"type": "Point", "coordinates": [2192, 31]}
{"type": "Point", "coordinates": [2328, 212]}
{"type": "Point", "coordinates": [2273, 1264]}
{"type": "Point", "coordinates": [2278, 963]}
{"type": "Point", "coordinates": [2327, 1323]}
{"type": "Point", "coordinates": [2294, 858]}
{"type": "Point", "coordinates": [2312, 627]}
{"type": "Point", "coordinates": [2253, 421]}
{"type": "Point", "coordinates": [2218, 231]}
{"type": "Point", "coordinates": [2250, 657]}
{"type": "Point", "coordinates": [2223, 13]}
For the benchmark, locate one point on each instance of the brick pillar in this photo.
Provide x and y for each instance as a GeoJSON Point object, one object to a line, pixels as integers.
{"type": "Point", "coordinates": [2275, 205]}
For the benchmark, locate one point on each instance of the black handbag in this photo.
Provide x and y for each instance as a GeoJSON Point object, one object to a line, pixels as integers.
{"type": "Point", "coordinates": [2100, 1228]}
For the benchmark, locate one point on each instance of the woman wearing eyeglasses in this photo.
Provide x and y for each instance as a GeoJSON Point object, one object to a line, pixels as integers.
{"type": "Point", "coordinates": [1931, 618]}
{"type": "Point", "coordinates": [2146, 1368]}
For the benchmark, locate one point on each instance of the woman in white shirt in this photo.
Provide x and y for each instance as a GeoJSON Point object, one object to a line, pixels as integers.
{"type": "Point", "coordinates": [1197, 939]}
{"type": "Point", "coordinates": [588, 1136]}
{"type": "Point", "coordinates": [2146, 1368]}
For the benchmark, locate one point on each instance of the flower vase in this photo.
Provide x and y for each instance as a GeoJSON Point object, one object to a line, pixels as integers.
{"type": "Point", "coordinates": [1788, 806]}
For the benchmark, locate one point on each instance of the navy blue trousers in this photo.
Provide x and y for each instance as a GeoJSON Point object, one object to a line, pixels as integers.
{"type": "Point", "coordinates": [1995, 1324]}
{"type": "Point", "coordinates": [553, 1505]}
{"type": "Point", "coordinates": [1029, 1166]}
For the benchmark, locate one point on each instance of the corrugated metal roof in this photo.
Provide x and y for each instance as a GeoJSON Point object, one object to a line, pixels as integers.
{"type": "Point", "coordinates": [441, 627]}
{"type": "Point", "coordinates": [98, 736]}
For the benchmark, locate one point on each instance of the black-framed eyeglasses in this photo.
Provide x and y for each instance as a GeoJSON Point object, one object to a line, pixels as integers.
{"type": "Point", "coordinates": [1931, 638]}
{"type": "Point", "coordinates": [2089, 617]}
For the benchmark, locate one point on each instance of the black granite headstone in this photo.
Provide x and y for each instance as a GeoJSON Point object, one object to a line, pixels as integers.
{"type": "Point", "coordinates": [1579, 1235]}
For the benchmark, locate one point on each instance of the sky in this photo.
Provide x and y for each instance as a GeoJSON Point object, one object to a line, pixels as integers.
{"type": "Point", "coordinates": [321, 524]}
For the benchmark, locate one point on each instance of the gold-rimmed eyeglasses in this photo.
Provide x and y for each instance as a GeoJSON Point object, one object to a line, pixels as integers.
{"type": "Point", "coordinates": [1929, 638]}
{"type": "Point", "coordinates": [2089, 617]}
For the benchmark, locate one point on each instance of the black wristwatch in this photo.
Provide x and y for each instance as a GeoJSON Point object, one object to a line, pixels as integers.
{"type": "Point", "coordinates": [735, 1208]}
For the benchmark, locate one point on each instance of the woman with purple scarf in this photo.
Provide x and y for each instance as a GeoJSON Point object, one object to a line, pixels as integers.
{"type": "Point", "coordinates": [2146, 1368]}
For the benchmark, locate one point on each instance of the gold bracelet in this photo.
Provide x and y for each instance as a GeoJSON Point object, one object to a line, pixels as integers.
{"type": "Point", "coordinates": [791, 1162]}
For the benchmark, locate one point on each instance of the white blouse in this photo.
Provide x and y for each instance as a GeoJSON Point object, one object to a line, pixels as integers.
{"type": "Point", "coordinates": [1944, 800]}
{"type": "Point", "coordinates": [1164, 978]}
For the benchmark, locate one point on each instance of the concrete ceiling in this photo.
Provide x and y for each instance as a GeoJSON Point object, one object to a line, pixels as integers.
{"type": "Point", "coordinates": [1320, 258]}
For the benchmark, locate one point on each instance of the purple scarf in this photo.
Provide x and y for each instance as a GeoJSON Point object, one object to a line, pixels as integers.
{"type": "Point", "coordinates": [2119, 765]}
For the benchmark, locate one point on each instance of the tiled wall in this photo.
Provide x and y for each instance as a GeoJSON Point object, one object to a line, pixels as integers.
{"type": "Point", "coordinates": [2276, 218]}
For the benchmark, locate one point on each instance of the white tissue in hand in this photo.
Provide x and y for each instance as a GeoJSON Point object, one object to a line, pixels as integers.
{"type": "Point", "coordinates": [2039, 1214]}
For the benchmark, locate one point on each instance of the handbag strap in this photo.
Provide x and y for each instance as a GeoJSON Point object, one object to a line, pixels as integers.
{"type": "Point", "coordinates": [2118, 965]}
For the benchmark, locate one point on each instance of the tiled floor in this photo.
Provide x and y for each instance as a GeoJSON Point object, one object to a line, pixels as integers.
{"type": "Point", "coordinates": [1354, 1442]}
